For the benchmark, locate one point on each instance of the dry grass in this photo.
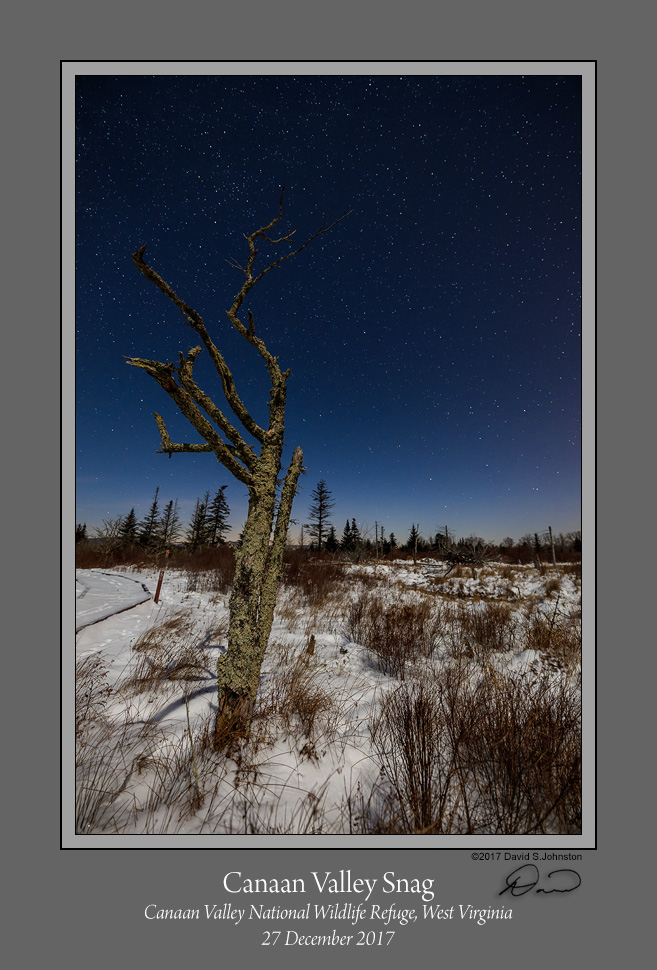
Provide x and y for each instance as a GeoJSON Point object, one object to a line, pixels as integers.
{"type": "Point", "coordinates": [395, 634]}
{"type": "Point", "coordinates": [208, 570]}
{"type": "Point", "coordinates": [168, 653]}
{"type": "Point", "coordinates": [557, 636]}
{"type": "Point", "coordinates": [295, 696]}
{"type": "Point", "coordinates": [497, 754]}
{"type": "Point", "coordinates": [459, 745]}
{"type": "Point", "coordinates": [316, 580]}
{"type": "Point", "coordinates": [479, 629]}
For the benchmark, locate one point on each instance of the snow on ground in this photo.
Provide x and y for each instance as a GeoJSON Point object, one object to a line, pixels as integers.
{"type": "Point", "coordinates": [292, 780]}
{"type": "Point", "coordinates": [99, 595]}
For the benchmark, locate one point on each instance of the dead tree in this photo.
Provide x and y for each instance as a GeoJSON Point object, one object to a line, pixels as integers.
{"type": "Point", "coordinates": [260, 556]}
{"type": "Point", "coordinates": [478, 555]}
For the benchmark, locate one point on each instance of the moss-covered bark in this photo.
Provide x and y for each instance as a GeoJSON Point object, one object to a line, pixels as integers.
{"type": "Point", "coordinates": [252, 603]}
{"type": "Point", "coordinates": [260, 557]}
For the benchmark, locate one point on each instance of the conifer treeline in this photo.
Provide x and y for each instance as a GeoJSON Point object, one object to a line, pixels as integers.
{"type": "Point", "coordinates": [323, 536]}
{"type": "Point", "coordinates": [162, 528]}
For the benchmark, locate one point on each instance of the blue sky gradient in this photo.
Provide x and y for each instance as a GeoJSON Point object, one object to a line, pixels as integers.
{"type": "Point", "coordinates": [434, 336]}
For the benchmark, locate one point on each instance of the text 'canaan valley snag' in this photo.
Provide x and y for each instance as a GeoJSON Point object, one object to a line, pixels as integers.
{"type": "Point", "coordinates": [329, 882]}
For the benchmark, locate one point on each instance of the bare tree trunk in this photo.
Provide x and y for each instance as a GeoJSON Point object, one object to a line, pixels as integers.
{"type": "Point", "coordinates": [252, 603]}
{"type": "Point", "coordinates": [259, 560]}
{"type": "Point", "coordinates": [554, 558]}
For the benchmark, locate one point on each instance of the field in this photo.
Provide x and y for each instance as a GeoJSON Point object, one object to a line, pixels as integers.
{"type": "Point", "coordinates": [396, 698]}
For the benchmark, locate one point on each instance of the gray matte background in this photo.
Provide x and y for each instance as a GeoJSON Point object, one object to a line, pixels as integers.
{"type": "Point", "coordinates": [85, 906]}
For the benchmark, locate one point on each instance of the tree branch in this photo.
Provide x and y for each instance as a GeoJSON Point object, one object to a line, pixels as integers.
{"type": "Point", "coordinates": [195, 321]}
{"type": "Point", "coordinates": [163, 374]}
{"type": "Point", "coordinates": [169, 447]}
{"type": "Point", "coordinates": [241, 448]}
{"type": "Point", "coordinates": [251, 280]}
{"type": "Point", "coordinates": [188, 395]}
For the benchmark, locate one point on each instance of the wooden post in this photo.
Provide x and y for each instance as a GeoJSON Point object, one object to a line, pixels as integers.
{"type": "Point", "coordinates": [160, 578]}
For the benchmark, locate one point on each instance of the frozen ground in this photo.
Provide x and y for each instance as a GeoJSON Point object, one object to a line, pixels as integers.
{"type": "Point", "coordinates": [147, 693]}
{"type": "Point", "coordinates": [100, 595]}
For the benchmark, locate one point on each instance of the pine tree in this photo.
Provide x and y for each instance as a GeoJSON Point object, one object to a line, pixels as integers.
{"type": "Point", "coordinates": [148, 527]}
{"type": "Point", "coordinates": [197, 533]}
{"type": "Point", "coordinates": [413, 540]}
{"type": "Point", "coordinates": [128, 529]}
{"type": "Point", "coordinates": [356, 538]}
{"type": "Point", "coordinates": [217, 519]}
{"type": "Point", "coordinates": [169, 525]}
{"type": "Point", "coordinates": [80, 533]}
{"type": "Point", "coordinates": [392, 541]}
{"type": "Point", "coordinates": [331, 544]}
{"type": "Point", "coordinates": [318, 513]}
{"type": "Point", "coordinates": [347, 542]}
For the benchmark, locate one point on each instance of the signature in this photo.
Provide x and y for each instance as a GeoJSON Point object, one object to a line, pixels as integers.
{"type": "Point", "coordinates": [523, 880]}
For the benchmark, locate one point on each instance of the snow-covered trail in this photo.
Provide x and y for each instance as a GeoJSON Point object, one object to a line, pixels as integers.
{"type": "Point", "coordinates": [99, 595]}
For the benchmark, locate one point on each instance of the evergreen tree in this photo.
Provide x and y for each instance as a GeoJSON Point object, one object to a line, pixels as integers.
{"type": "Point", "coordinates": [148, 527]}
{"type": "Point", "coordinates": [128, 529]}
{"type": "Point", "coordinates": [392, 541]}
{"type": "Point", "coordinates": [197, 533]}
{"type": "Point", "coordinates": [331, 544]}
{"type": "Point", "coordinates": [318, 513]}
{"type": "Point", "coordinates": [80, 533]}
{"type": "Point", "coordinates": [217, 519]}
{"type": "Point", "coordinates": [356, 538]}
{"type": "Point", "coordinates": [347, 542]}
{"type": "Point", "coordinates": [413, 539]}
{"type": "Point", "coordinates": [169, 525]}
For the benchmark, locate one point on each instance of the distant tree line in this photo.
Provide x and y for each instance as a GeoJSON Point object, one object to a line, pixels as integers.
{"type": "Point", "coordinates": [162, 528]}
{"type": "Point", "coordinates": [319, 534]}
{"type": "Point", "coordinates": [208, 527]}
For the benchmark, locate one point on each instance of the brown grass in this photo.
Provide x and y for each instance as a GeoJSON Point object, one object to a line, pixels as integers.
{"type": "Point", "coordinates": [315, 580]}
{"type": "Point", "coordinates": [295, 695]}
{"type": "Point", "coordinates": [394, 634]}
{"type": "Point", "coordinates": [498, 754]}
{"type": "Point", "coordinates": [460, 745]}
{"type": "Point", "coordinates": [167, 653]}
{"type": "Point", "coordinates": [479, 629]}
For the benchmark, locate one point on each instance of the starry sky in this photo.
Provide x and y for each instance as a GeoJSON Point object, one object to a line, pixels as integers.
{"type": "Point", "coordinates": [433, 336]}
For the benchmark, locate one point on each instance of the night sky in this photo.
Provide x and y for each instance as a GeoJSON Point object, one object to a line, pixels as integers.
{"type": "Point", "coordinates": [434, 336]}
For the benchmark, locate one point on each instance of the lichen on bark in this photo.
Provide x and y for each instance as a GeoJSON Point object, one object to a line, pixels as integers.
{"type": "Point", "coordinates": [259, 559]}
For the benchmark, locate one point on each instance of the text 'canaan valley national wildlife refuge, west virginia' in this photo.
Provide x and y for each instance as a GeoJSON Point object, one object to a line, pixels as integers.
{"type": "Point", "coordinates": [330, 884]}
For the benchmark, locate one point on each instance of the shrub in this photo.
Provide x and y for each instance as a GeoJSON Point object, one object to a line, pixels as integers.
{"type": "Point", "coordinates": [525, 754]}
{"type": "Point", "coordinates": [412, 747]}
{"type": "Point", "coordinates": [498, 754]}
{"type": "Point", "coordinates": [480, 629]}
{"type": "Point", "coordinates": [395, 634]}
{"type": "Point", "coordinates": [294, 693]}
{"type": "Point", "coordinates": [316, 578]}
